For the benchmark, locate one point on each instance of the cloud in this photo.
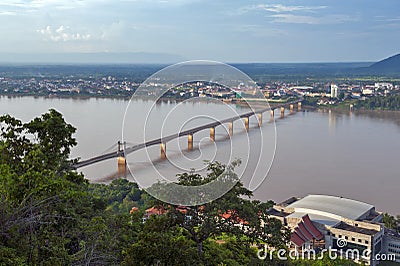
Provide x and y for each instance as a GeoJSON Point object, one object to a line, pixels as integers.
{"type": "Point", "coordinates": [298, 19]}
{"type": "Point", "coordinates": [62, 33]}
{"type": "Point", "coordinates": [259, 30]}
{"type": "Point", "coordinates": [7, 13]}
{"type": "Point", "coordinates": [387, 19]}
{"type": "Point", "coordinates": [289, 18]}
{"type": "Point", "coordinates": [12, 3]}
{"type": "Point", "coordinates": [21, 7]}
{"type": "Point", "coordinates": [296, 14]}
{"type": "Point", "coordinates": [279, 8]}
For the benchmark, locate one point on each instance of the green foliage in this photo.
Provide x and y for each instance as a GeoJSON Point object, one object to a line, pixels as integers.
{"type": "Point", "coordinates": [9, 256]}
{"type": "Point", "coordinates": [391, 102]}
{"type": "Point", "coordinates": [48, 215]}
{"type": "Point", "coordinates": [160, 242]}
{"type": "Point", "coordinates": [310, 101]}
{"type": "Point", "coordinates": [390, 221]}
{"type": "Point", "coordinates": [233, 214]}
{"type": "Point", "coordinates": [53, 136]}
{"type": "Point", "coordinates": [119, 196]}
{"type": "Point", "coordinates": [229, 252]}
{"type": "Point", "coordinates": [325, 261]}
{"type": "Point", "coordinates": [43, 143]}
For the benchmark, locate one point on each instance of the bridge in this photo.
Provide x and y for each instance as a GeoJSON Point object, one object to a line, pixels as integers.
{"type": "Point", "coordinates": [123, 150]}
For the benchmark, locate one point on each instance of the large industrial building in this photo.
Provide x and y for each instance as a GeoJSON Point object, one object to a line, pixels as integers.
{"type": "Point", "coordinates": [329, 222]}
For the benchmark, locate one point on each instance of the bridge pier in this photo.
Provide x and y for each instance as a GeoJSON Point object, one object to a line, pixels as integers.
{"type": "Point", "coordinates": [212, 133]}
{"type": "Point", "coordinates": [230, 128]}
{"type": "Point", "coordinates": [299, 106]}
{"type": "Point", "coordinates": [291, 108]}
{"type": "Point", "coordinates": [121, 165]}
{"type": "Point", "coordinates": [246, 123]}
{"type": "Point", "coordinates": [282, 111]}
{"type": "Point", "coordinates": [121, 158]}
{"type": "Point", "coordinates": [121, 161]}
{"type": "Point", "coordinates": [259, 118]}
{"type": "Point", "coordinates": [190, 142]}
{"type": "Point", "coordinates": [163, 149]}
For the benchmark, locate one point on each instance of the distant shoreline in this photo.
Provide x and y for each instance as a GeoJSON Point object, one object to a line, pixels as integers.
{"type": "Point", "coordinates": [123, 98]}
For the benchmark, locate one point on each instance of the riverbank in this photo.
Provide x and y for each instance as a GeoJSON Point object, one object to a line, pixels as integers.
{"type": "Point", "coordinates": [341, 108]}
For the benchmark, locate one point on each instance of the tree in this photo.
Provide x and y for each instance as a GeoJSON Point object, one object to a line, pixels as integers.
{"type": "Point", "coordinates": [14, 145]}
{"type": "Point", "coordinates": [54, 138]}
{"type": "Point", "coordinates": [43, 143]}
{"type": "Point", "coordinates": [44, 202]}
{"type": "Point", "coordinates": [161, 242]}
{"type": "Point", "coordinates": [233, 213]}
{"type": "Point", "coordinates": [120, 195]}
{"type": "Point", "coordinates": [390, 221]}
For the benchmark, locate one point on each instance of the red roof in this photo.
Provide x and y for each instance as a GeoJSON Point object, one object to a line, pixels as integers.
{"type": "Point", "coordinates": [182, 209]}
{"type": "Point", "coordinates": [155, 211]}
{"type": "Point", "coordinates": [305, 231]}
{"type": "Point", "coordinates": [301, 235]}
{"type": "Point", "coordinates": [311, 227]}
{"type": "Point", "coordinates": [228, 214]}
{"type": "Point", "coordinates": [134, 209]}
{"type": "Point", "coordinates": [296, 239]}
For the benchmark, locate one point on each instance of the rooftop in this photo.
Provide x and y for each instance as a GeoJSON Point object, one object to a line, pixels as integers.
{"type": "Point", "coordinates": [356, 229]}
{"type": "Point", "coordinates": [321, 219]}
{"type": "Point", "coordinates": [288, 201]}
{"type": "Point", "coordinates": [277, 213]}
{"type": "Point", "coordinates": [392, 233]}
{"type": "Point", "coordinates": [330, 207]}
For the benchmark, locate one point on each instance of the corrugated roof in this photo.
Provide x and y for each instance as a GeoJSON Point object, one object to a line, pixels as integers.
{"type": "Point", "coordinates": [331, 207]}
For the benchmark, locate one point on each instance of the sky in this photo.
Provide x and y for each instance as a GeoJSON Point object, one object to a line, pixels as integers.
{"type": "Point", "coordinates": [225, 30]}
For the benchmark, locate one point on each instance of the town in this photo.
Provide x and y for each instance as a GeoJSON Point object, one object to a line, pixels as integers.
{"type": "Point", "coordinates": [316, 93]}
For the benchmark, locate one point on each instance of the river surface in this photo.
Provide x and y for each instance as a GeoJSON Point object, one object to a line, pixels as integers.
{"type": "Point", "coordinates": [351, 155]}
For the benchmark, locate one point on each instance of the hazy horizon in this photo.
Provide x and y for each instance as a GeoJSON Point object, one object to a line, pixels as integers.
{"type": "Point", "coordinates": [132, 58]}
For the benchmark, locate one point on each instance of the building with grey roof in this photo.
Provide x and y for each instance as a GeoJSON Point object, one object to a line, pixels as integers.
{"type": "Point", "coordinates": [341, 221]}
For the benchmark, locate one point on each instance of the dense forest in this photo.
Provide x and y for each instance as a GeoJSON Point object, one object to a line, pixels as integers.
{"type": "Point", "coordinates": [51, 215]}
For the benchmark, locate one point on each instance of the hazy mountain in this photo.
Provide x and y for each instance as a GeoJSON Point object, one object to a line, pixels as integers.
{"type": "Point", "coordinates": [141, 65]}
{"type": "Point", "coordinates": [390, 65]}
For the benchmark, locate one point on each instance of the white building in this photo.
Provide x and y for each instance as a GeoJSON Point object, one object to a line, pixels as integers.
{"type": "Point", "coordinates": [368, 90]}
{"type": "Point", "coordinates": [334, 91]}
{"type": "Point", "coordinates": [383, 85]}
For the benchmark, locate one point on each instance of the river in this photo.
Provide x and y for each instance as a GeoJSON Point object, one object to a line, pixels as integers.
{"type": "Point", "coordinates": [317, 152]}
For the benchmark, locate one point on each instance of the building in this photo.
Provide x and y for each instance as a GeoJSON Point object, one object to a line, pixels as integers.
{"type": "Point", "coordinates": [391, 243]}
{"type": "Point", "coordinates": [330, 222]}
{"type": "Point", "coordinates": [383, 86]}
{"type": "Point", "coordinates": [334, 91]}
{"type": "Point", "coordinates": [368, 90]}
